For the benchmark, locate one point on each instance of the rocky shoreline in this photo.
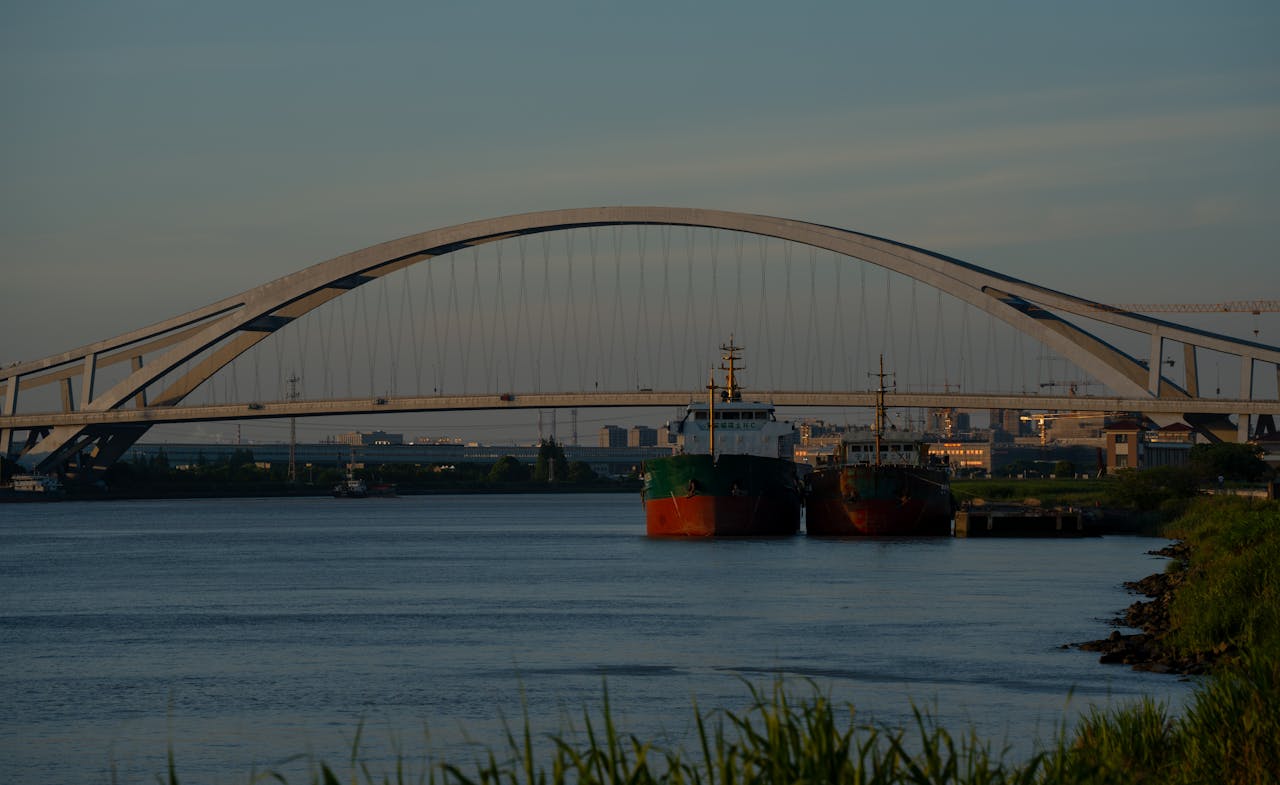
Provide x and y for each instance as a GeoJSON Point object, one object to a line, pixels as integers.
{"type": "Point", "coordinates": [1149, 650]}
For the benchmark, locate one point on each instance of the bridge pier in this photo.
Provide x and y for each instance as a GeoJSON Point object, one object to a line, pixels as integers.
{"type": "Point", "coordinates": [1246, 393]}
{"type": "Point", "coordinates": [7, 409]}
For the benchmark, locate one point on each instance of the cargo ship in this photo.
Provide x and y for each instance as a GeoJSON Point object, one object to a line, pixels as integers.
{"type": "Point", "coordinates": [732, 474]}
{"type": "Point", "coordinates": [880, 484]}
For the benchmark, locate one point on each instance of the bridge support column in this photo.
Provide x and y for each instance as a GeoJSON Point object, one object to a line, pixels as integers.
{"type": "Point", "coordinates": [1155, 362]}
{"type": "Point", "coordinates": [86, 378]}
{"type": "Point", "coordinates": [1246, 393]}
{"type": "Point", "coordinates": [7, 408]}
{"type": "Point", "coordinates": [139, 400]}
{"type": "Point", "coordinates": [1192, 379]}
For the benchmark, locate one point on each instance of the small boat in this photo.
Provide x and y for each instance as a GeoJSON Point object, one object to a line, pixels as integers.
{"type": "Point", "coordinates": [880, 484]}
{"type": "Point", "coordinates": [733, 474]}
{"type": "Point", "coordinates": [351, 487]}
{"type": "Point", "coordinates": [32, 488]}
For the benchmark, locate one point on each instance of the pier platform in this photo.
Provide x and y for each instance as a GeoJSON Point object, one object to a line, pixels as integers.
{"type": "Point", "coordinates": [1019, 521]}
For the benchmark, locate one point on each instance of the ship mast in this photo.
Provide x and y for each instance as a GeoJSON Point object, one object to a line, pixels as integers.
{"type": "Point", "coordinates": [711, 410]}
{"type": "Point", "coordinates": [880, 390]}
{"type": "Point", "coordinates": [732, 391]}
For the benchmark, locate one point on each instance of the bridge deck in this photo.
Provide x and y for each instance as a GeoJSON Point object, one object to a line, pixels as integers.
{"type": "Point", "coordinates": [640, 399]}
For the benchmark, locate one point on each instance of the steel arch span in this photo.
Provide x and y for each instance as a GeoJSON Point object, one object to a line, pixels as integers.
{"type": "Point", "coordinates": [213, 336]}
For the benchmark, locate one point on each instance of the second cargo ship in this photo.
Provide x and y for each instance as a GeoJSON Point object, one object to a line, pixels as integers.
{"type": "Point", "coordinates": [733, 474]}
{"type": "Point", "coordinates": [881, 484]}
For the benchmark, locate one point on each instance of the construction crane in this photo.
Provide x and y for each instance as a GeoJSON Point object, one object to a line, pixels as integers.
{"type": "Point", "coordinates": [1040, 418]}
{"type": "Point", "coordinates": [1072, 387]}
{"type": "Point", "coordinates": [1254, 307]}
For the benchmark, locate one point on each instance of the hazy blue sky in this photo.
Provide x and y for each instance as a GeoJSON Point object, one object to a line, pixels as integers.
{"type": "Point", "coordinates": [160, 155]}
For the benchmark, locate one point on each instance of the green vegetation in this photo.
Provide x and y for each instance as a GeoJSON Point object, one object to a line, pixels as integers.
{"type": "Point", "coordinates": [1049, 492]}
{"type": "Point", "coordinates": [1230, 594]}
{"type": "Point", "coordinates": [1240, 462]}
{"type": "Point", "coordinates": [240, 475]}
{"type": "Point", "coordinates": [1165, 489]}
{"type": "Point", "coordinates": [1227, 602]}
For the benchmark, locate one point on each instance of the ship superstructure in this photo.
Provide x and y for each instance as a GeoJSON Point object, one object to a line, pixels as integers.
{"type": "Point", "coordinates": [732, 474]}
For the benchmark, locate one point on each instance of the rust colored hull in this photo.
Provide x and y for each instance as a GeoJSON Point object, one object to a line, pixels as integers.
{"type": "Point", "coordinates": [734, 496]}
{"type": "Point", "coordinates": [722, 516]}
{"type": "Point", "coordinates": [878, 501]}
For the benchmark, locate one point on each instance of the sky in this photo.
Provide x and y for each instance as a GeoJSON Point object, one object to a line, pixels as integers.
{"type": "Point", "coordinates": [158, 156]}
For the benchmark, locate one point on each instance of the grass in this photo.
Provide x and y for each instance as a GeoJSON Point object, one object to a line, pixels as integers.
{"type": "Point", "coordinates": [1226, 736]}
{"type": "Point", "coordinates": [1230, 596]}
{"type": "Point", "coordinates": [1229, 733]}
{"type": "Point", "coordinates": [1049, 492]}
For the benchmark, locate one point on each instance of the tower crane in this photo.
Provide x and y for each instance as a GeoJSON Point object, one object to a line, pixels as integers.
{"type": "Point", "coordinates": [1040, 418]}
{"type": "Point", "coordinates": [1254, 307]}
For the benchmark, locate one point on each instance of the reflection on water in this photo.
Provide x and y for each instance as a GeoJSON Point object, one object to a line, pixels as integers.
{"type": "Point", "coordinates": [244, 631]}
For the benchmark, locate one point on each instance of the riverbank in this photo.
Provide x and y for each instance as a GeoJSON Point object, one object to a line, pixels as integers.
{"type": "Point", "coordinates": [1217, 595]}
{"type": "Point", "coordinates": [274, 490]}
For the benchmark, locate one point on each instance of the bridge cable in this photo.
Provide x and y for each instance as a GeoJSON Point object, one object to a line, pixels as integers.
{"type": "Point", "coordinates": [887, 339]}
{"type": "Point", "coordinates": [415, 330]}
{"type": "Point", "coordinates": [277, 341]}
{"type": "Point", "coordinates": [362, 305]}
{"type": "Point", "coordinates": [546, 299]}
{"type": "Point", "coordinates": [383, 314]}
{"type": "Point", "coordinates": [813, 340]}
{"type": "Point", "coordinates": [913, 338]}
{"type": "Point", "coordinates": [765, 332]}
{"type": "Point", "coordinates": [788, 327]}
{"type": "Point", "coordinates": [574, 347]}
{"type": "Point", "coordinates": [666, 326]}
{"type": "Point", "coordinates": [476, 320]}
{"type": "Point", "coordinates": [643, 328]}
{"type": "Point", "coordinates": [499, 344]}
{"type": "Point", "coordinates": [993, 357]}
{"type": "Point", "coordinates": [396, 331]}
{"type": "Point", "coordinates": [616, 317]}
{"type": "Point", "coordinates": [302, 341]}
{"type": "Point", "coordinates": [714, 332]}
{"type": "Point", "coordinates": [739, 324]}
{"type": "Point", "coordinates": [937, 337]}
{"type": "Point", "coordinates": [691, 353]}
{"type": "Point", "coordinates": [522, 307]}
{"type": "Point", "coordinates": [595, 322]}
{"type": "Point", "coordinates": [864, 324]}
{"type": "Point", "coordinates": [466, 329]}
{"type": "Point", "coordinates": [838, 336]}
{"type": "Point", "coordinates": [325, 318]}
{"type": "Point", "coordinates": [437, 341]}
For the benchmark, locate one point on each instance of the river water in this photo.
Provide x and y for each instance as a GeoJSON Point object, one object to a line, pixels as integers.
{"type": "Point", "coordinates": [240, 632]}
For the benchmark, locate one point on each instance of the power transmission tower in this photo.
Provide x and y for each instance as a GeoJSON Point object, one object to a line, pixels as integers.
{"type": "Point", "coordinates": [293, 430]}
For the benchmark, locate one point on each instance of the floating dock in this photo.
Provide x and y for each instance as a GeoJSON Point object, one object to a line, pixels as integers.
{"type": "Point", "coordinates": [1019, 521]}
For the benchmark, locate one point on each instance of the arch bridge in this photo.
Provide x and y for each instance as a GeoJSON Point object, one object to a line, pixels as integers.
{"type": "Point", "coordinates": [79, 423]}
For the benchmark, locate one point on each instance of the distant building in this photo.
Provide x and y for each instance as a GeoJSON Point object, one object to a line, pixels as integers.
{"type": "Point", "coordinates": [362, 439]}
{"type": "Point", "coordinates": [1069, 428]}
{"type": "Point", "coordinates": [1007, 424]}
{"type": "Point", "coordinates": [964, 455]}
{"type": "Point", "coordinates": [949, 423]}
{"type": "Point", "coordinates": [612, 436]}
{"type": "Point", "coordinates": [642, 436]}
{"type": "Point", "coordinates": [1131, 445]}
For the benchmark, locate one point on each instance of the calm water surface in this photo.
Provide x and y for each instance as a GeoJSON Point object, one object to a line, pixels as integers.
{"type": "Point", "coordinates": [243, 631]}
